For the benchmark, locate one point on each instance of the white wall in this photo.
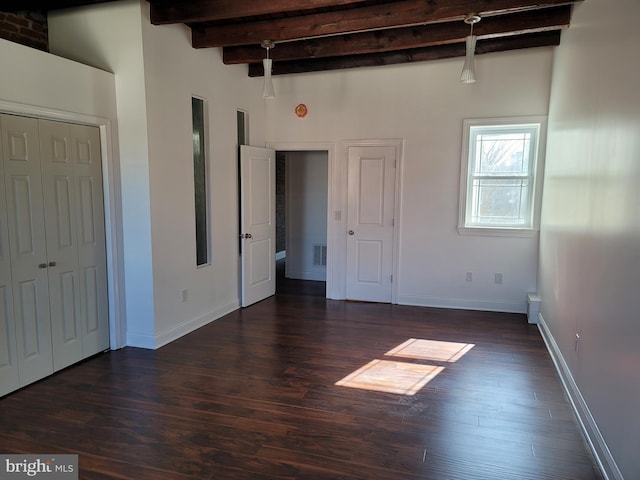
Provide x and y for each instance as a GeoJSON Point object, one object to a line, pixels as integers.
{"type": "Point", "coordinates": [306, 212]}
{"type": "Point", "coordinates": [157, 72]}
{"type": "Point", "coordinates": [590, 234]}
{"type": "Point", "coordinates": [109, 37]}
{"type": "Point", "coordinates": [425, 104]}
{"type": "Point", "coordinates": [174, 71]}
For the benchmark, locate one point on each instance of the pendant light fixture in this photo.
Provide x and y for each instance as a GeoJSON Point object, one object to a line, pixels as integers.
{"type": "Point", "coordinates": [267, 87]}
{"type": "Point", "coordinates": [468, 70]}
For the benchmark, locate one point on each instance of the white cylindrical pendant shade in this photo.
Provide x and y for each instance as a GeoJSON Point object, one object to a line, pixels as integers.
{"type": "Point", "coordinates": [468, 70]}
{"type": "Point", "coordinates": [267, 88]}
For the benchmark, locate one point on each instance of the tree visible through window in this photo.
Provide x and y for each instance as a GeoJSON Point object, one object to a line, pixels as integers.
{"type": "Point", "coordinates": [498, 177]}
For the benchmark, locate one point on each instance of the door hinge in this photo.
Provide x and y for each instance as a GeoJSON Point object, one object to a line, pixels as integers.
{"type": "Point", "coordinates": [391, 279]}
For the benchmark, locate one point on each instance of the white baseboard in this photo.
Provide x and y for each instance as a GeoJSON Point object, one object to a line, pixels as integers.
{"type": "Point", "coordinates": [463, 304]}
{"type": "Point", "coordinates": [169, 335]}
{"type": "Point", "coordinates": [141, 340]}
{"type": "Point", "coordinates": [596, 441]}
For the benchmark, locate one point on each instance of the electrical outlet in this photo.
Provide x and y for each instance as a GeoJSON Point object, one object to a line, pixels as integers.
{"type": "Point", "coordinates": [469, 276]}
{"type": "Point", "coordinates": [184, 295]}
{"type": "Point", "coordinates": [498, 278]}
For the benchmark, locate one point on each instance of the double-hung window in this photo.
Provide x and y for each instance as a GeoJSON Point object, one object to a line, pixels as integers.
{"type": "Point", "coordinates": [498, 184]}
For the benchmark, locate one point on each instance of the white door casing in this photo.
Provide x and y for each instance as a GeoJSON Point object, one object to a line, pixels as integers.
{"type": "Point", "coordinates": [371, 179]}
{"type": "Point", "coordinates": [112, 205]}
{"type": "Point", "coordinates": [257, 223]}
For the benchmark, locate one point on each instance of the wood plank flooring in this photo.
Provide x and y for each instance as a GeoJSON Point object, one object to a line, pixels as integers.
{"type": "Point", "coordinates": [253, 395]}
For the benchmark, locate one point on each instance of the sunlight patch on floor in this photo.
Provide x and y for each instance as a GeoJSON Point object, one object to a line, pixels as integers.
{"type": "Point", "coordinates": [405, 377]}
{"type": "Point", "coordinates": [391, 376]}
{"type": "Point", "coordinates": [431, 350]}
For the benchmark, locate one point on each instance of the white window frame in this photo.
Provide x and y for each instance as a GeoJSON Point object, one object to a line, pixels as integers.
{"type": "Point", "coordinates": [531, 226]}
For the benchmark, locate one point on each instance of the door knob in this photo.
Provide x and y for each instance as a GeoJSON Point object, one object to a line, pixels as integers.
{"type": "Point", "coordinates": [351, 232]}
{"type": "Point", "coordinates": [42, 265]}
{"type": "Point", "coordinates": [246, 235]}
{"type": "Point", "coordinates": [52, 264]}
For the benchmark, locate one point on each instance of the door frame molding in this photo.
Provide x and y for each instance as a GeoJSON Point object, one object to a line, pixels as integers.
{"type": "Point", "coordinates": [335, 288]}
{"type": "Point", "coordinates": [112, 205]}
{"type": "Point", "coordinates": [398, 144]}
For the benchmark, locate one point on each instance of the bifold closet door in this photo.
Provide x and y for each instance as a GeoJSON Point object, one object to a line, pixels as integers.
{"type": "Point", "coordinates": [74, 219]}
{"type": "Point", "coordinates": [92, 250]}
{"type": "Point", "coordinates": [53, 278]}
{"type": "Point", "coordinates": [9, 375]}
{"type": "Point", "coordinates": [27, 247]}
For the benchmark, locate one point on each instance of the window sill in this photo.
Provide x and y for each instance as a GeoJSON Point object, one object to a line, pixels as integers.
{"type": "Point", "coordinates": [498, 231]}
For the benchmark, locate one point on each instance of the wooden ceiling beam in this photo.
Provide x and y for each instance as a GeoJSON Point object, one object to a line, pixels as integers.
{"type": "Point", "coordinates": [172, 11]}
{"type": "Point", "coordinates": [405, 38]}
{"type": "Point", "coordinates": [543, 39]}
{"type": "Point", "coordinates": [386, 15]}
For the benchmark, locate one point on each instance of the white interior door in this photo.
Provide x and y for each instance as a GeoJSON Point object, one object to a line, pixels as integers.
{"type": "Point", "coordinates": [257, 223]}
{"type": "Point", "coordinates": [370, 222]}
{"type": "Point", "coordinates": [92, 249]}
{"type": "Point", "coordinates": [60, 220]}
{"type": "Point", "coordinates": [27, 245]}
{"type": "Point", "coordinates": [9, 375]}
{"type": "Point", "coordinates": [74, 217]}
{"type": "Point", "coordinates": [53, 280]}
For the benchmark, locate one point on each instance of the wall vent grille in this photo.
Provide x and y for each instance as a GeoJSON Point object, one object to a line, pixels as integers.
{"type": "Point", "coordinates": [319, 255]}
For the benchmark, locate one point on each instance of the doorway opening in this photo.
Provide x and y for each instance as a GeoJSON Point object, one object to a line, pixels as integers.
{"type": "Point", "coordinates": [301, 222]}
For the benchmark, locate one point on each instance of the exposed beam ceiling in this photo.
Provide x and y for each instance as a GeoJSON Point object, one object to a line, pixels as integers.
{"type": "Point", "coordinates": [315, 35]}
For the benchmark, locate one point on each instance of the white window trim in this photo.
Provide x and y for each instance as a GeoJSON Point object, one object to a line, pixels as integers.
{"type": "Point", "coordinates": [536, 188]}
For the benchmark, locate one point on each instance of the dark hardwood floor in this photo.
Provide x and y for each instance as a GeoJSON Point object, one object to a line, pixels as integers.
{"type": "Point", "coordinates": [253, 395]}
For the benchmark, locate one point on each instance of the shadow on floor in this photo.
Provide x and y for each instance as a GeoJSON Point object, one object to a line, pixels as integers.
{"type": "Point", "coordinates": [290, 286]}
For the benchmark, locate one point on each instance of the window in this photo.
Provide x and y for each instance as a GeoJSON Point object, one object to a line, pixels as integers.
{"type": "Point", "coordinates": [498, 182]}
{"type": "Point", "coordinates": [200, 180]}
{"type": "Point", "coordinates": [242, 127]}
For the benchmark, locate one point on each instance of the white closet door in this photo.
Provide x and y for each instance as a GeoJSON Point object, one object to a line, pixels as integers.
{"type": "Point", "coordinates": [9, 375]}
{"type": "Point", "coordinates": [62, 244]}
{"type": "Point", "coordinates": [27, 246]}
{"type": "Point", "coordinates": [72, 186]}
{"type": "Point", "coordinates": [53, 274]}
{"type": "Point", "coordinates": [92, 254]}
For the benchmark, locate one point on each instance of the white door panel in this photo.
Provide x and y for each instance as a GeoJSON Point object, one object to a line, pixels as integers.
{"type": "Point", "coordinates": [92, 253]}
{"type": "Point", "coordinates": [257, 223]}
{"type": "Point", "coordinates": [62, 246]}
{"type": "Point", "coordinates": [370, 260]}
{"type": "Point", "coordinates": [371, 205]}
{"type": "Point", "coordinates": [9, 374]}
{"type": "Point", "coordinates": [27, 245]}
